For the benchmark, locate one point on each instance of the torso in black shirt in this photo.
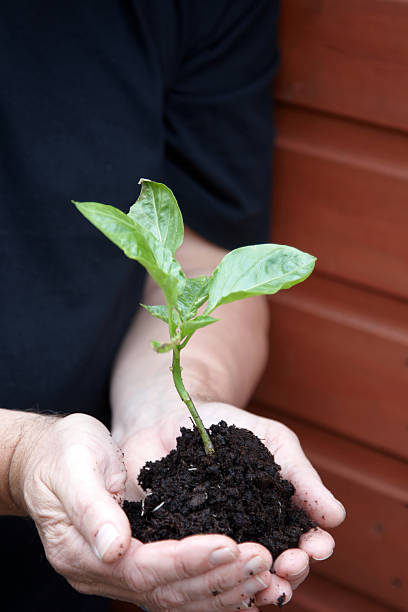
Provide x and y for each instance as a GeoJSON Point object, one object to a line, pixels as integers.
{"type": "Point", "coordinates": [95, 95]}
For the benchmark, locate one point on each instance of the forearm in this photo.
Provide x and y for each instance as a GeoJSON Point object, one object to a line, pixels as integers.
{"type": "Point", "coordinates": [221, 363]}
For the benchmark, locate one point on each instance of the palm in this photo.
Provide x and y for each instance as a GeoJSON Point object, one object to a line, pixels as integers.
{"type": "Point", "coordinates": [158, 438]}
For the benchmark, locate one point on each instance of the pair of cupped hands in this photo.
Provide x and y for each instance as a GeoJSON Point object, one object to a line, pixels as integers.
{"type": "Point", "coordinates": [72, 475]}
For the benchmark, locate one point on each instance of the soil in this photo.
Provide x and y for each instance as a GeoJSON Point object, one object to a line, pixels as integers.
{"type": "Point", "coordinates": [238, 491]}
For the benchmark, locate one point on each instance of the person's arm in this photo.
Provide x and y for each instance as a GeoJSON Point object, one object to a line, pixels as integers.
{"type": "Point", "coordinates": [221, 367]}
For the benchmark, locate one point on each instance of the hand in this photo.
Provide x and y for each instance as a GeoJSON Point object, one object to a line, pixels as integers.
{"type": "Point", "coordinates": [291, 568]}
{"type": "Point", "coordinates": [68, 474]}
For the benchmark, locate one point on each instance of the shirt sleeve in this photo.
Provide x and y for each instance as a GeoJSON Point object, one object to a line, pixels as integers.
{"type": "Point", "coordinates": [218, 119]}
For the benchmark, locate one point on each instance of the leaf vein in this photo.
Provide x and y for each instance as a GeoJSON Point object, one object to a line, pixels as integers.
{"type": "Point", "coordinates": [256, 263]}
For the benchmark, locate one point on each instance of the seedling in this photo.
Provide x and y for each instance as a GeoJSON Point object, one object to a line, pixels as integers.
{"type": "Point", "coordinates": [151, 233]}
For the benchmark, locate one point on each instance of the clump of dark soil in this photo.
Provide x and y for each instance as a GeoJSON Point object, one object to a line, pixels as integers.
{"type": "Point", "coordinates": [237, 492]}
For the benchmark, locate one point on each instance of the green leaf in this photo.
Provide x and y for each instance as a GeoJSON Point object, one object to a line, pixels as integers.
{"type": "Point", "coordinates": [194, 295]}
{"type": "Point", "coordinates": [189, 327]}
{"type": "Point", "coordinates": [157, 211]}
{"type": "Point", "coordinates": [256, 270]}
{"type": "Point", "coordinates": [129, 236]}
{"type": "Point", "coordinates": [161, 347]}
{"type": "Point", "coordinates": [161, 312]}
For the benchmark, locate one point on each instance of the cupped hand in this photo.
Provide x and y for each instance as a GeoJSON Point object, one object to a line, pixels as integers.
{"type": "Point", "coordinates": [157, 437]}
{"type": "Point", "coordinates": [69, 475]}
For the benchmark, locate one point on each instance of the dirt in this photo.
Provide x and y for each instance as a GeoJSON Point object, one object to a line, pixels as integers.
{"type": "Point", "coordinates": [238, 491]}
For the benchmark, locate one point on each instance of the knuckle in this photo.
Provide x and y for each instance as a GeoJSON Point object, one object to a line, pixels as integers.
{"type": "Point", "coordinates": [168, 597]}
{"type": "Point", "coordinates": [223, 580]}
{"type": "Point", "coordinates": [81, 512]}
{"type": "Point", "coordinates": [182, 569]}
{"type": "Point", "coordinates": [82, 587]}
{"type": "Point", "coordinates": [60, 563]}
{"type": "Point", "coordinates": [67, 561]}
{"type": "Point", "coordinates": [227, 602]}
{"type": "Point", "coordinates": [140, 579]}
{"type": "Point", "coordinates": [219, 603]}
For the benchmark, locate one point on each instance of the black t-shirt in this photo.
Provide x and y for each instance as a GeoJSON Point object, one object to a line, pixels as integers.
{"type": "Point", "coordinates": [94, 95]}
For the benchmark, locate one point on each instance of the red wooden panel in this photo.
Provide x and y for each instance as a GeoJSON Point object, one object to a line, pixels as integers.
{"type": "Point", "coordinates": [341, 193]}
{"type": "Point", "coordinates": [339, 358]}
{"type": "Point", "coordinates": [347, 57]}
{"type": "Point", "coordinates": [371, 545]}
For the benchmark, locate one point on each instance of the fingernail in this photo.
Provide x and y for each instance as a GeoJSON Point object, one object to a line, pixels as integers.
{"type": "Point", "coordinates": [323, 558]}
{"type": "Point", "coordinates": [255, 566]}
{"type": "Point", "coordinates": [219, 556]}
{"type": "Point", "coordinates": [106, 535]}
{"type": "Point", "coordinates": [253, 585]}
{"type": "Point", "coordinates": [300, 572]}
{"type": "Point", "coordinates": [261, 582]}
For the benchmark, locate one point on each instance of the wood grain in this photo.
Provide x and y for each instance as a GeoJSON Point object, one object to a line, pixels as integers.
{"type": "Point", "coordinates": [346, 57]}
{"type": "Point", "coordinates": [339, 359]}
{"type": "Point", "coordinates": [341, 193]}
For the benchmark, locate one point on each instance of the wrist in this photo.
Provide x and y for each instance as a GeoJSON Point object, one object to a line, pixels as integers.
{"type": "Point", "coordinates": [144, 416]}
{"type": "Point", "coordinates": [142, 408]}
{"type": "Point", "coordinates": [30, 429]}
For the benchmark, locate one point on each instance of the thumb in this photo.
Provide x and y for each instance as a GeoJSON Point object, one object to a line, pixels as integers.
{"type": "Point", "coordinates": [311, 493]}
{"type": "Point", "coordinates": [95, 481]}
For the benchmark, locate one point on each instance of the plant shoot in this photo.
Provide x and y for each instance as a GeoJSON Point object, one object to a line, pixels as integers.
{"type": "Point", "coordinates": [151, 232]}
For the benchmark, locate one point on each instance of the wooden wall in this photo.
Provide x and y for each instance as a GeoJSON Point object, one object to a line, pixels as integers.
{"type": "Point", "coordinates": [338, 368]}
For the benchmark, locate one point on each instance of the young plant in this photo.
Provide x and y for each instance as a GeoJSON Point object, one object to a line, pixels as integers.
{"type": "Point", "coordinates": [151, 233]}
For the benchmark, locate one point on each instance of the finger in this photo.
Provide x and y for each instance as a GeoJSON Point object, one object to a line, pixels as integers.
{"type": "Point", "coordinates": [302, 577]}
{"type": "Point", "coordinates": [279, 592]}
{"type": "Point", "coordinates": [83, 491]}
{"type": "Point", "coordinates": [159, 563]}
{"type": "Point", "coordinates": [239, 597]}
{"type": "Point", "coordinates": [215, 604]}
{"type": "Point", "coordinates": [318, 544]}
{"type": "Point", "coordinates": [234, 581]}
{"type": "Point", "coordinates": [243, 595]}
{"type": "Point", "coordinates": [251, 552]}
{"type": "Point", "coordinates": [292, 565]}
{"type": "Point", "coordinates": [311, 494]}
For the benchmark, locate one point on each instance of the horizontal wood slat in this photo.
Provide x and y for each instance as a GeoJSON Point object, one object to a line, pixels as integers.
{"type": "Point", "coordinates": [346, 57]}
{"type": "Point", "coordinates": [339, 358]}
{"type": "Point", "coordinates": [371, 545]}
{"type": "Point", "coordinates": [320, 595]}
{"type": "Point", "coordinates": [341, 193]}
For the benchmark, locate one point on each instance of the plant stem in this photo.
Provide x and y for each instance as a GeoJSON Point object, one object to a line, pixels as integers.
{"type": "Point", "coordinates": [183, 393]}
{"type": "Point", "coordinates": [172, 327]}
